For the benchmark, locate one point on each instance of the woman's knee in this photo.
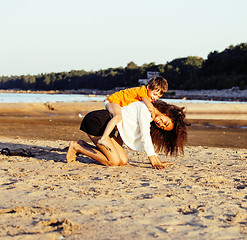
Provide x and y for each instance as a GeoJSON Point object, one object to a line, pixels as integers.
{"type": "Point", "coordinates": [118, 162]}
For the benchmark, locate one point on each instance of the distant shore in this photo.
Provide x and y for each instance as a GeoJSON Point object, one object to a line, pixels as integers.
{"type": "Point", "coordinates": [233, 94]}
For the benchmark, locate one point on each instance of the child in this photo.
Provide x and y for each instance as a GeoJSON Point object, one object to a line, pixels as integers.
{"type": "Point", "coordinates": [155, 88]}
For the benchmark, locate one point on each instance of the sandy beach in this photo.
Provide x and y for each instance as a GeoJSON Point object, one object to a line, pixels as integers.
{"type": "Point", "coordinates": [204, 196]}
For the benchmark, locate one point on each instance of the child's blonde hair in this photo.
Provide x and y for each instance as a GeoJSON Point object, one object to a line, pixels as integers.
{"type": "Point", "coordinates": [158, 83]}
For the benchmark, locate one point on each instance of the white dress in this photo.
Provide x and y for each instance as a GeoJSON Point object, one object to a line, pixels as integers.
{"type": "Point", "coordinates": [134, 128]}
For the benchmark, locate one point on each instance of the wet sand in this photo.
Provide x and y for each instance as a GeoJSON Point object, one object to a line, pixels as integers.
{"type": "Point", "coordinates": [215, 125]}
{"type": "Point", "coordinates": [204, 196]}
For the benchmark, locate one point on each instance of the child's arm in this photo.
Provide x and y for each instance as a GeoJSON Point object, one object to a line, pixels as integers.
{"type": "Point", "coordinates": [154, 111]}
{"type": "Point", "coordinates": [149, 105]}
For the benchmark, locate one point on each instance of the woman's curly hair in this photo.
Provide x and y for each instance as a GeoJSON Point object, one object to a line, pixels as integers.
{"type": "Point", "coordinates": [170, 142]}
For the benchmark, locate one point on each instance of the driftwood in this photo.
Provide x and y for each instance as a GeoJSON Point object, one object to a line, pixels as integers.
{"type": "Point", "coordinates": [16, 152]}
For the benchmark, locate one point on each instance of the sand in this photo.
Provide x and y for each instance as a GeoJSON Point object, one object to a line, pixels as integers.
{"type": "Point", "coordinates": [204, 196]}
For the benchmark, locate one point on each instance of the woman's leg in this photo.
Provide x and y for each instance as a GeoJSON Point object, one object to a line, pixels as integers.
{"type": "Point", "coordinates": [116, 112]}
{"type": "Point", "coordinates": [116, 157]}
{"type": "Point", "coordinates": [86, 149]}
{"type": "Point", "coordinates": [72, 153]}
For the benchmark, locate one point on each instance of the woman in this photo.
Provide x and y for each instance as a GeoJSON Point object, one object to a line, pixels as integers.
{"type": "Point", "coordinates": [167, 134]}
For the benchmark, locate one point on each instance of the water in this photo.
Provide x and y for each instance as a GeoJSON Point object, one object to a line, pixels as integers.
{"type": "Point", "coordinates": [52, 98]}
{"type": "Point", "coordinates": [43, 98]}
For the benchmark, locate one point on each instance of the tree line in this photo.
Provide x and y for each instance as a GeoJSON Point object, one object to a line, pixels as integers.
{"type": "Point", "coordinates": [220, 70]}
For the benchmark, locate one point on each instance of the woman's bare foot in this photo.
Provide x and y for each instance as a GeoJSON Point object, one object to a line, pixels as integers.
{"type": "Point", "coordinates": [104, 144]}
{"type": "Point", "coordinates": [71, 154]}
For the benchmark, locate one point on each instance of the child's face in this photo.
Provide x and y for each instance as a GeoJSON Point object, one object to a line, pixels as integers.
{"type": "Point", "coordinates": [154, 94]}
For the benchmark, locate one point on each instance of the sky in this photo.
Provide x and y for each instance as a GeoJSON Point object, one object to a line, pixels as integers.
{"type": "Point", "coordinates": [44, 36]}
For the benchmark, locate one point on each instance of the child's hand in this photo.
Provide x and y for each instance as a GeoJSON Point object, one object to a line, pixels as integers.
{"type": "Point", "coordinates": [151, 110]}
{"type": "Point", "coordinates": [167, 121]}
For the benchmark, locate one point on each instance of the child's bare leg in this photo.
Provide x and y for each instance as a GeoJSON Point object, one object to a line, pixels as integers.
{"type": "Point", "coordinates": [116, 111]}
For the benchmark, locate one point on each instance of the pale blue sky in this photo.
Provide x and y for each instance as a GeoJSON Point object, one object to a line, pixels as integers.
{"type": "Point", "coordinates": [43, 36]}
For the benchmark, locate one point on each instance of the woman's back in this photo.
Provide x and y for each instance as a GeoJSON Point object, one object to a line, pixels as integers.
{"type": "Point", "coordinates": [134, 128]}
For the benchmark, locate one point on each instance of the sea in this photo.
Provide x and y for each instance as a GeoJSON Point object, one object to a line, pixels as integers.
{"type": "Point", "coordinates": [53, 98]}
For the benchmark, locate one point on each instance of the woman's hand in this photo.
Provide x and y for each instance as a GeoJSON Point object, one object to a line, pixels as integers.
{"type": "Point", "coordinates": [157, 164]}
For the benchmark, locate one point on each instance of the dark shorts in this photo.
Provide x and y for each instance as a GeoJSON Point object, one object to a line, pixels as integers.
{"type": "Point", "coordinates": [94, 123]}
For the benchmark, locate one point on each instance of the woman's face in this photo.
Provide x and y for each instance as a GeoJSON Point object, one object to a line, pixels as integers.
{"type": "Point", "coordinates": [163, 122]}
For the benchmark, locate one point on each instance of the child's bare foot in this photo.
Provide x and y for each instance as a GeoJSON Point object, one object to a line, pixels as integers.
{"type": "Point", "coordinates": [71, 154]}
{"type": "Point", "coordinates": [104, 144]}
